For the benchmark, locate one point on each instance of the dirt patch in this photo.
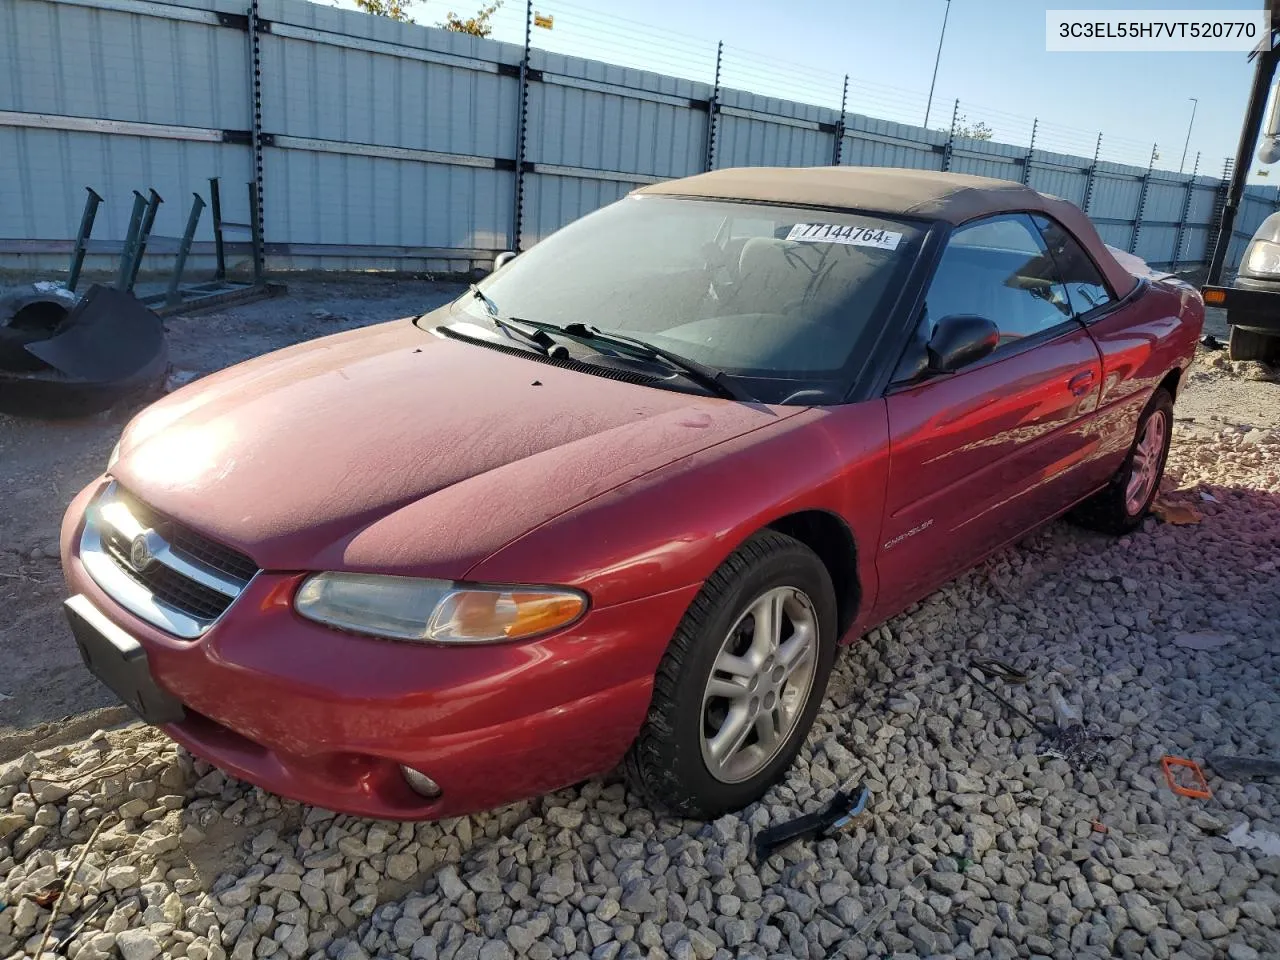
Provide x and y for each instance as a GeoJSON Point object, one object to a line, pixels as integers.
{"type": "Point", "coordinates": [44, 464]}
{"type": "Point", "coordinates": [1218, 393]}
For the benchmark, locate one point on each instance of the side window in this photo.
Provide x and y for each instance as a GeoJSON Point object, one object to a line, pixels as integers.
{"type": "Point", "coordinates": [1000, 269]}
{"type": "Point", "coordinates": [1084, 282]}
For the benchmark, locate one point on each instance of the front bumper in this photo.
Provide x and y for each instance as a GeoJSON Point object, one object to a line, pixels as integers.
{"type": "Point", "coordinates": [1250, 304]}
{"type": "Point", "coordinates": [328, 718]}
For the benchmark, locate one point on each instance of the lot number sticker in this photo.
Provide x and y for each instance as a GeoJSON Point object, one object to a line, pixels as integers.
{"type": "Point", "coordinates": [853, 236]}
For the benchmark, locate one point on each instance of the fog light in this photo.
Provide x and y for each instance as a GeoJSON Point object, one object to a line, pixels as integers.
{"type": "Point", "coordinates": [421, 783]}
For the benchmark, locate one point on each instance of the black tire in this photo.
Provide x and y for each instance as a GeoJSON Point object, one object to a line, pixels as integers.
{"type": "Point", "coordinates": [13, 352]}
{"type": "Point", "coordinates": [1250, 345]}
{"type": "Point", "coordinates": [1107, 510]}
{"type": "Point", "coordinates": [665, 764]}
{"type": "Point", "coordinates": [32, 323]}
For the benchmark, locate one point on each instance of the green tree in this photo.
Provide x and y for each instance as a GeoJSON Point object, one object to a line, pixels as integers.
{"type": "Point", "coordinates": [973, 131]}
{"type": "Point", "coordinates": [479, 25]}
{"type": "Point", "coordinates": [394, 9]}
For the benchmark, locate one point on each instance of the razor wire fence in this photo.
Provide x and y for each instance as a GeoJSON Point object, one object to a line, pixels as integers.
{"type": "Point", "coordinates": [380, 144]}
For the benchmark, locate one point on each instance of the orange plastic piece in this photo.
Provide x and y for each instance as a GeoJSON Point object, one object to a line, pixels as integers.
{"type": "Point", "coordinates": [1200, 792]}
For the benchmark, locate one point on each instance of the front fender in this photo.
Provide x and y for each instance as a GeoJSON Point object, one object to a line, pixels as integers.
{"type": "Point", "coordinates": [675, 526]}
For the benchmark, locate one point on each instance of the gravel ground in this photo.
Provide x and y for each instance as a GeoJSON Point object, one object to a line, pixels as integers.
{"type": "Point", "coordinates": [974, 843]}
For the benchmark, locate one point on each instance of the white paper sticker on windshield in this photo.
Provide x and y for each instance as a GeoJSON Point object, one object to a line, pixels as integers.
{"type": "Point", "coordinates": [838, 233]}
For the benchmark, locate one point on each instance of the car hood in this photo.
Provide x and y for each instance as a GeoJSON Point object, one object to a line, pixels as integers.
{"type": "Point", "coordinates": [394, 449]}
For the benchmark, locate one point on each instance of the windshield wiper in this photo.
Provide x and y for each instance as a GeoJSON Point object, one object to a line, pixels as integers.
{"type": "Point", "coordinates": [490, 307]}
{"type": "Point", "coordinates": [513, 327]}
{"type": "Point", "coordinates": [711, 379]}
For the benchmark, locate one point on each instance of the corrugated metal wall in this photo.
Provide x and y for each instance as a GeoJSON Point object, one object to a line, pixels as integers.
{"type": "Point", "coordinates": [391, 145]}
{"type": "Point", "coordinates": [166, 87]}
{"type": "Point", "coordinates": [596, 131]}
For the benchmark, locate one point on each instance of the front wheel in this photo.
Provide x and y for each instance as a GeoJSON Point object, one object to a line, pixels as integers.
{"type": "Point", "coordinates": [1250, 345]}
{"type": "Point", "coordinates": [1121, 506]}
{"type": "Point", "coordinates": [740, 683]}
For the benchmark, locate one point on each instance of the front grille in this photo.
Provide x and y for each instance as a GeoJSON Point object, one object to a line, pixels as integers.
{"type": "Point", "coordinates": [168, 586]}
{"type": "Point", "coordinates": [159, 569]}
{"type": "Point", "coordinates": [223, 559]}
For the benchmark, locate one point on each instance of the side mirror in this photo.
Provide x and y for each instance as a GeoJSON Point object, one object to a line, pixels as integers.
{"type": "Point", "coordinates": [959, 340]}
{"type": "Point", "coordinates": [502, 259]}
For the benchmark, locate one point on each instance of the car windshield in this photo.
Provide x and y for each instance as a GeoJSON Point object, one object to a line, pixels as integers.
{"type": "Point", "coordinates": [787, 298]}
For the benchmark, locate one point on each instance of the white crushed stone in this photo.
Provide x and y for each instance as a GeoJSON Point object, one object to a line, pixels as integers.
{"type": "Point", "coordinates": [973, 845]}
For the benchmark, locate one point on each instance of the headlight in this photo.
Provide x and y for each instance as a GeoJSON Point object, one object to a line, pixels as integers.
{"type": "Point", "coordinates": [1263, 258]}
{"type": "Point", "coordinates": [113, 456]}
{"type": "Point", "coordinates": [435, 611]}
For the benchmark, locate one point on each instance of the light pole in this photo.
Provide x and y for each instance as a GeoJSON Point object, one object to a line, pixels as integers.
{"type": "Point", "coordinates": [928, 106]}
{"type": "Point", "coordinates": [1194, 103]}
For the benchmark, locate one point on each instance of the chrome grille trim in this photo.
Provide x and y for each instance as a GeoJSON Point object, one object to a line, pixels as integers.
{"type": "Point", "coordinates": [116, 515]}
{"type": "Point", "coordinates": [109, 517]}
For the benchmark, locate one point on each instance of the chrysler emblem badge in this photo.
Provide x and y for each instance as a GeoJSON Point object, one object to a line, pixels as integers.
{"type": "Point", "coordinates": [140, 556]}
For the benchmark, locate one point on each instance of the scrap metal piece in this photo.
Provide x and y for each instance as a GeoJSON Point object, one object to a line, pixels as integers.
{"type": "Point", "coordinates": [109, 347]}
{"type": "Point", "coordinates": [107, 337]}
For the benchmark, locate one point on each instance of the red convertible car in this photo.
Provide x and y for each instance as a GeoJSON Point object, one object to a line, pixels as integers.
{"type": "Point", "coordinates": [621, 501]}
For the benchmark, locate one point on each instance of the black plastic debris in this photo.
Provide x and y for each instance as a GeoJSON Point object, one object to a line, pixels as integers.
{"type": "Point", "coordinates": [1244, 768]}
{"type": "Point", "coordinates": [834, 817]}
{"type": "Point", "coordinates": [1210, 342]}
{"type": "Point", "coordinates": [84, 358]}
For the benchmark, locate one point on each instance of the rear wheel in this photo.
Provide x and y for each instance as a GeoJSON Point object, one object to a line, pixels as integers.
{"type": "Point", "coordinates": [1121, 506]}
{"type": "Point", "coordinates": [740, 683]}
{"type": "Point", "coordinates": [1250, 345]}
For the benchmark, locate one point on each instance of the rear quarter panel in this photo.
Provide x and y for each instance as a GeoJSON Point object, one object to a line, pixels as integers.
{"type": "Point", "coordinates": [1141, 343]}
{"type": "Point", "coordinates": [675, 526]}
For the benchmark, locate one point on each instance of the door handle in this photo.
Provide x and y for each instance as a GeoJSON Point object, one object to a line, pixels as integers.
{"type": "Point", "coordinates": [1080, 383]}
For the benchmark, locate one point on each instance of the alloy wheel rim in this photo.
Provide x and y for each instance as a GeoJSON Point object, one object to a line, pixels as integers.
{"type": "Point", "coordinates": [1145, 465]}
{"type": "Point", "coordinates": [759, 684]}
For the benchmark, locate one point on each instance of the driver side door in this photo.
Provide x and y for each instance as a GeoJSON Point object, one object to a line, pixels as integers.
{"type": "Point", "coordinates": [980, 456]}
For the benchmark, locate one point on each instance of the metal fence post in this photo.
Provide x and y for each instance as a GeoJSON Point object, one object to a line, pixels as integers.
{"type": "Point", "coordinates": [219, 252]}
{"type": "Point", "coordinates": [255, 118]}
{"type": "Point", "coordinates": [255, 231]}
{"type": "Point", "coordinates": [131, 240]}
{"type": "Point", "coordinates": [1026, 163]}
{"type": "Point", "coordinates": [1093, 173]}
{"type": "Point", "coordinates": [184, 248]}
{"type": "Point", "coordinates": [951, 138]}
{"type": "Point", "coordinates": [82, 237]}
{"type": "Point", "coordinates": [713, 110]}
{"type": "Point", "coordinates": [1186, 212]}
{"type": "Point", "coordinates": [839, 144]}
{"type": "Point", "coordinates": [522, 122]}
{"type": "Point", "coordinates": [1142, 200]}
{"type": "Point", "coordinates": [148, 221]}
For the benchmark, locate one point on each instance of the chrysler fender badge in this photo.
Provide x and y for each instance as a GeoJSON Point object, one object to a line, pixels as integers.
{"type": "Point", "coordinates": [140, 555]}
{"type": "Point", "coordinates": [910, 533]}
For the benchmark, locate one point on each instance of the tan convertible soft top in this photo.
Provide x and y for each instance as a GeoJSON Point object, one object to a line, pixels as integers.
{"type": "Point", "coordinates": [952, 197]}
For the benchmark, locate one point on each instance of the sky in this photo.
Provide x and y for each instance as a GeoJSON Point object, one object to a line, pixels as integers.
{"type": "Point", "coordinates": [993, 59]}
